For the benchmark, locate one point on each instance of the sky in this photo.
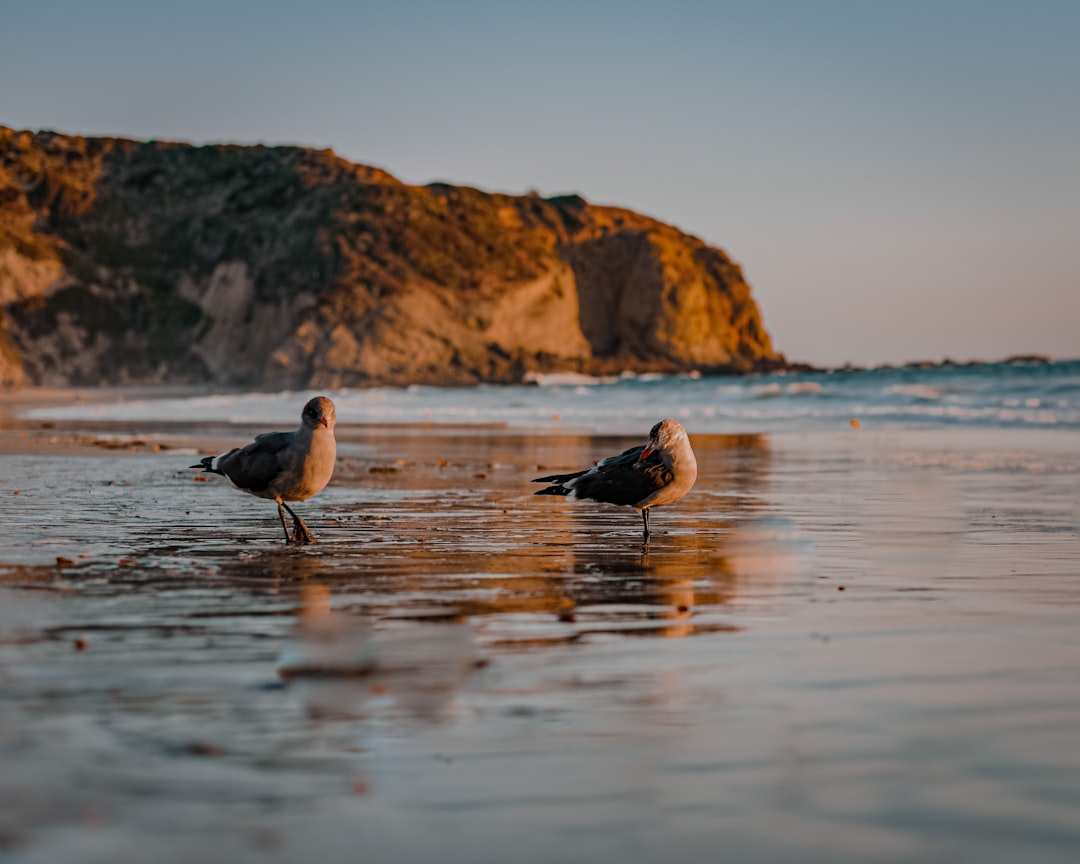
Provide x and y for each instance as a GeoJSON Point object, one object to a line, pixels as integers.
{"type": "Point", "coordinates": [899, 180]}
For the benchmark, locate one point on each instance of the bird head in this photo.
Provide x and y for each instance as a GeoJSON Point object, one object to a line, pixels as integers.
{"type": "Point", "coordinates": [319, 412]}
{"type": "Point", "coordinates": [663, 435]}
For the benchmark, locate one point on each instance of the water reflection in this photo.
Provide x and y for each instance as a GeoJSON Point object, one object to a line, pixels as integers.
{"type": "Point", "coordinates": [706, 549]}
{"type": "Point", "coordinates": [911, 524]}
{"type": "Point", "coordinates": [761, 560]}
{"type": "Point", "coordinates": [483, 549]}
{"type": "Point", "coordinates": [447, 526]}
{"type": "Point", "coordinates": [340, 666]}
{"type": "Point", "coordinates": [769, 551]}
{"type": "Point", "coordinates": [211, 659]}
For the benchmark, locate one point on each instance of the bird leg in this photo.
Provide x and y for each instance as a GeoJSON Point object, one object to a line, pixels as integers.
{"type": "Point", "coordinates": [281, 513]}
{"type": "Point", "coordinates": [301, 534]}
{"type": "Point", "coordinates": [645, 519]}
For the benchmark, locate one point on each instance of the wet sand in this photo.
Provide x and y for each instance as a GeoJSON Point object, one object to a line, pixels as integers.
{"type": "Point", "coordinates": [841, 646]}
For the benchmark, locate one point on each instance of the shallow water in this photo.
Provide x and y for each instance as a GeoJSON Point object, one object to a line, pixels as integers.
{"type": "Point", "coordinates": [840, 647]}
{"type": "Point", "coordinates": [1000, 395]}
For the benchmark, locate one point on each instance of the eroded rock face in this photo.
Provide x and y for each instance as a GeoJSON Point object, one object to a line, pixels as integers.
{"type": "Point", "coordinates": [128, 262]}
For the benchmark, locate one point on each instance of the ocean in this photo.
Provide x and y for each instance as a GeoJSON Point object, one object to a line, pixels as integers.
{"type": "Point", "coordinates": [1001, 396]}
{"type": "Point", "coordinates": [844, 645]}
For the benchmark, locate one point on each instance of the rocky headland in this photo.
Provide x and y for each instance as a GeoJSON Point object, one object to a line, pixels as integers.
{"type": "Point", "coordinates": [126, 262]}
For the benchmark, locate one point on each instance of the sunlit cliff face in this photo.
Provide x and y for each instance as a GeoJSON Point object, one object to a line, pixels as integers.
{"type": "Point", "coordinates": [315, 280]}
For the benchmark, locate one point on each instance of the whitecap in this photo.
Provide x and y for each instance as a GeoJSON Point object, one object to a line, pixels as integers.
{"type": "Point", "coordinates": [918, 391]}
{"type": "Point", "coordinates": [557, 379]}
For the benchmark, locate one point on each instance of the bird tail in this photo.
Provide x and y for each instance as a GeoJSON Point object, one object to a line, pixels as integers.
{"type": "Point", "coordinates": [553, 490]}
{"type": "Point", "coordinates": [560, 478]}
{"type": "Point", "coordinates": [557, 481]}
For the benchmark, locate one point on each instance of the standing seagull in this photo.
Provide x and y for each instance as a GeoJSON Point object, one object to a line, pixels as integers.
{"type": "Point", "coordinates": [649, 475]}
{"type": "Point", "coordinates": [285, 466]}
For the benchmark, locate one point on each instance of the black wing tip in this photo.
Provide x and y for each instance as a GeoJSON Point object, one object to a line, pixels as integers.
{"type": "Point", "coordinates": [553, 490]}
{"type": "Point", "coordinates": [560, 478]}
{"type": "Point", "coordinates": [206, 464]}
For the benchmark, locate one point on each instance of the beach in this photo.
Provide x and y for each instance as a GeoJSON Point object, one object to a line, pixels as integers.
{"type": "Point", "coordinates": [845, 644]}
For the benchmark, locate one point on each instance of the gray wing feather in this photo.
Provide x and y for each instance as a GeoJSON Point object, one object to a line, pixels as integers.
{"type": "Point", "coordinates": [622, 479]}
{"type": "Point", "coordinates": [258, 465]}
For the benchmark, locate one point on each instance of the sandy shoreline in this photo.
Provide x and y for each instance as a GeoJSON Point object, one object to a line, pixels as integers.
{"type": "Point", "coordinates": [841, 646]}
{"type": "Point", "coordinates": [22, 434]}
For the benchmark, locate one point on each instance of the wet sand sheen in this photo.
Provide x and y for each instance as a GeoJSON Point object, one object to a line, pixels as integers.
{"type": "Point", "coordinates": [838, 647]}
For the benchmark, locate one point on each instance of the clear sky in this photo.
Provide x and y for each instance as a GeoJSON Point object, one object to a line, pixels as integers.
{"type": "Point", "coordinates": [900, 180]}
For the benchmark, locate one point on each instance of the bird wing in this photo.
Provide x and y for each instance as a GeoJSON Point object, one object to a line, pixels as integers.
{"type": "Point", "coordinates": [632, 455]}
{"type": "Point", "coordinates": [255, 467]}
{"type": "Point", "coordinates": [622, 479]}
{"type": "Point", "coordinates": [558, 478]}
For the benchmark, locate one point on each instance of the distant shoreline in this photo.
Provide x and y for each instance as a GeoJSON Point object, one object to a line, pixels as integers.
{"type": "Point", "coordinates": [948, 363]}
{"type": "Point", "coordinates": [16, 400]}
{"type": "Point", "coordinates": [1006, 394]}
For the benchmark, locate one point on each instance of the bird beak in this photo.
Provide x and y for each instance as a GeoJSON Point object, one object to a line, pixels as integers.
{"type": "Point", "coordinates": [325, 422]}
{"type": "Point", "coordinates": [645, 453]}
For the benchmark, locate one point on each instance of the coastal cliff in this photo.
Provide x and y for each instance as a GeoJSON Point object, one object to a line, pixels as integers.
{"type": "Point", "coordinates": [125, 262]}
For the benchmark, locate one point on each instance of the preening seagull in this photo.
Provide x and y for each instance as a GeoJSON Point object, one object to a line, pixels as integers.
{"type": "Point", "coordinates": [285, 466]}
{"type": "Point", "coordinates": [649, 475]}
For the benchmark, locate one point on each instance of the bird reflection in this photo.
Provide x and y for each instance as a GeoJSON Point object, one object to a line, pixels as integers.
{"type": "Point", "coordinates": [758, 560]}
{"type": "Point", "coordinates": [343, 667]}
{"type": "Point", "coordinates": [647, 591]}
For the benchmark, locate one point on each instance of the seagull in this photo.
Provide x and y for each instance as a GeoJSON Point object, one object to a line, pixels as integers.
{"type": "Point", "coordinates": [285, 466]}
{"type": "Point", "coordinates": [649, 475]}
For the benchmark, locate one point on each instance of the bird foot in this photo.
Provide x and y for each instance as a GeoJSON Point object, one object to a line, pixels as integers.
{"type": "Point", "coordinates": [301, 534]}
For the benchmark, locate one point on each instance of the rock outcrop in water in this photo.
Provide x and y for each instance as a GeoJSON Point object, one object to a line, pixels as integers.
{"type": "Point", "coordinates": [127, 262]}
